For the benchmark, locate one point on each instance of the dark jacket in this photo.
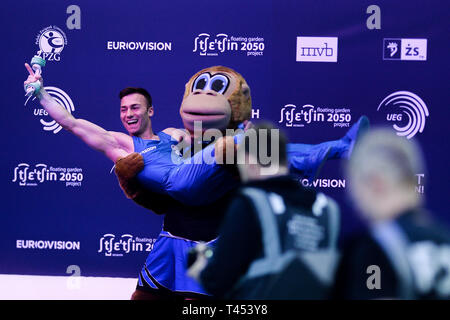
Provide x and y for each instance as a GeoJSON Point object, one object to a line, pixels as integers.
{"type": "Point", "coordinates": [240, 237]}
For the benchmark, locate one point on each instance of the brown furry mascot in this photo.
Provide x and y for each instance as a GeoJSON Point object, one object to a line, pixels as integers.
{"type": "Point", "coordinates": [217, 96]}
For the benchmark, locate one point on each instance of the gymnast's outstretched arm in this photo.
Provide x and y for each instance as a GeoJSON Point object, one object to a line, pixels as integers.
{"type": "Point", "coordinates": [113, 144]}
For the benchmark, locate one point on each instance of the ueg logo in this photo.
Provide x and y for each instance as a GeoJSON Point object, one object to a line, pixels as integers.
{"type": "Point", "coordinates": [63, 99]}
{"type": "Point", "coordinates": [292, 116]}
{"type": "Point", "coordinates": [113, 246]}
{"type": "Point", "coordinates": [51, 42]}
{"type": "Point", "coordinates": [408, 112]}
{"type": "Point", "coordinates": [31, 176]}
{"type": "Point", "coordinates": [317, 49]}
{"type": "Point", "coordinates": [208, 45]}
{"type": "Point", "coordinates": [405, 49]}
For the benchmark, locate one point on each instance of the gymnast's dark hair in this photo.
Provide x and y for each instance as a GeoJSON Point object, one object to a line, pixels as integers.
{"type": "Point", "coordinates": [130, 90]}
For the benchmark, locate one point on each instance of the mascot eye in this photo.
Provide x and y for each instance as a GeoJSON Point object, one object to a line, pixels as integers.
{"type": "Point", "coordinates": [219, 83]}
{"type": "Point", "coordinates": [201, 81]}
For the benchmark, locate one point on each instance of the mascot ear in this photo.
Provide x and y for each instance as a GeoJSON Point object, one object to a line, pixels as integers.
{"type": "Point", "coordinates": [246, 91]}
{"type": "Point", "coordinates": [241, 103]}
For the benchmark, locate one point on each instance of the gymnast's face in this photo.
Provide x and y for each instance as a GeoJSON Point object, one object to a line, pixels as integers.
{"type": "Point", "coordinates": [208, 100]}
{"type": "Point", "coordinates": [135, 114]}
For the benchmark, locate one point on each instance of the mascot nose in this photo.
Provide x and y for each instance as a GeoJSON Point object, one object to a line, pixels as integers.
{"type": "Point", "coordinates": [207, 92]}
{"type": "Point", "coordinates": [211, 93]}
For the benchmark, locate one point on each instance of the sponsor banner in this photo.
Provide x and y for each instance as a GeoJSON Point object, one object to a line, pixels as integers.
{"type": "Point", "coordinates": [112, 246]}
{"type": "Point", "coordinates": [48, 245]}
{"type": "Point", "coordinates": [405, 49]}
{"type": "Point", "coordinates": [51, 41]}
{"type": "Point", "coordinates": [324, 183]}
{"type": "Point", "coordinates": [206, 44]}
{"type": "Point", "coordinates": [293, 116]}
{"type": "Point", "coordinates": [138, 46]}
{"type": "Point", "coordinates": [420, 187]}
{"type": "Point", "coordinates": [26, 175]}
{"type": "Point", "coordinates": [317, 49]}
{"type": "Point", "coordinates": [48, 124]}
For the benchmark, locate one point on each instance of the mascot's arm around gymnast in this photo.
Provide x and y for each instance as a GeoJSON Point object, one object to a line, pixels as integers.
{"type": "Point", "coordinates": [220, 98]}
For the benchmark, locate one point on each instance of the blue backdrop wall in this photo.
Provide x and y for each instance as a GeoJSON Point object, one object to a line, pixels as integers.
{"type": "Point", "coordinates": [314, 67]}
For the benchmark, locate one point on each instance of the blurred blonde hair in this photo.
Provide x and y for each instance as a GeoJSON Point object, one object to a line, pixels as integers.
{"type": "Point", "coordinates": [381, 152]}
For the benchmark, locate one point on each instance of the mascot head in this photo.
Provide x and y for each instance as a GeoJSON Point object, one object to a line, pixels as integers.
{"type": "Point", "coordinates": [219, 97]}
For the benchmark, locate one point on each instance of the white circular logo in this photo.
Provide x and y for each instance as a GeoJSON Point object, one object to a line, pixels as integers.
{"type": "Point", "coordinates": [51, 40]}
{"type": "Point", "coordinates": [63, 99]}
{"type": "Point", "coordinates": [408, 112]}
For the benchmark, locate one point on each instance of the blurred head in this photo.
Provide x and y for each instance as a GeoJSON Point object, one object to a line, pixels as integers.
{"type": "Point", "coordinates": [262, 153]}
{"type": "Point", "coordinates": [135, 110]}
{"type": "Point", "coordinates": [382, 174]}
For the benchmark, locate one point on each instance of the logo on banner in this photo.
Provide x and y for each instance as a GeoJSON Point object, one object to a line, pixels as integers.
{"type": "Point", "coordinates": [408, 112]}
{"type": "Point", "coordinates": [48, 245]}
{"type": "Point", "coordinates": [138, 46]}
{"type": "Point", "coordinates": [323, 183]}
{"type": "Point", "coordinates": [420, 187]}
{"type": "Point", "coordinates": [214, 45]}
{"type": "Point", "coordinates": [31, 176]}
{"type": "Point", "coordinates": [113, 246]}
{"type": "Point", "coordinates": [405, 49]}
{"type": "Point", "coordinates": [51, 42]}
{"type": "Point", "coordinates": [63, 99]}
{"type": "Point", "coordinates": [317, 49]}
{"type": "Point", "coordinates": [291, 116]}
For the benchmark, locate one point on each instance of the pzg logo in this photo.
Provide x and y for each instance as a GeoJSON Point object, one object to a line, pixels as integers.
{"type": "Point", "coordinates": [63, 99]}
{"type": "Point", "coordinates": [51, 42]}
{"type": "Point", "coordinates": [408, 112]}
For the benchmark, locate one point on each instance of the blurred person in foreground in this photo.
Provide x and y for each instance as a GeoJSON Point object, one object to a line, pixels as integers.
{"type": "Point", "coordinates": [278, 239]}
{"type": "Point", "coordinates": [403, 254]}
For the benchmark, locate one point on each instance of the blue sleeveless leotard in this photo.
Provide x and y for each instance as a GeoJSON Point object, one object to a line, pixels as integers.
{"type": "Point", "coordinates": [190, 181]}
{"type": "Point", "coordinates": [199, 180]}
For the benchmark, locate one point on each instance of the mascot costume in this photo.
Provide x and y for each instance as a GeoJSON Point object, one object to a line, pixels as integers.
{"type": "Point", "coordinates": [216, 98]}
{"type": "Point", "coordinates": [193, 195]}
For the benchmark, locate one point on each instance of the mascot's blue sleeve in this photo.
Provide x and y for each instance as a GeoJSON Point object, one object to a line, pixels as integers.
{"type": "Point", "coordinates": [306, 160]}
{"type": "Point", "coordinates": [199, 180]}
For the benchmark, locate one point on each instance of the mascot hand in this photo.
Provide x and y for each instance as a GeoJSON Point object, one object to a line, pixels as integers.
{"type": "Point", "coordinates": [129, 166]}
{"type": "Point", "coordinates": [126, 170]}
